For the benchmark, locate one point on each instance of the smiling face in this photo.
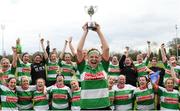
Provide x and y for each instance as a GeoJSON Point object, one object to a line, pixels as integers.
{"type": "Point", "coordinates": [142, 81]}
{"type": "Point", "coordinates": [53, 57]}
{"type": "Point", "coordinates": [25, 82]}
{"type": "Point", "coordinates": [139, 58]}
{"type": "Point", "coordinates": [128, 61]}
{"type": "Point", "coordinates": [12, 84]}
{"type": "Point", "coordinates": [121, 79]}
{"type": "Point", "coordinates": [5, 63]}
{"type": "Point", "coordinates": [114, 60]}
{"type": "Point", "coordinates": [25, 58]}
{"type": "Point", "coordinates": [111, 80]}
{"type": "Point", "coordinates": [74, 85]}
{"type": "Point", "coordinates": [40, 84]}
{"type": "Point", "coordinates": [93, 58]}
{"type": "Point", "coordinates": [169, 84]}
{"type": "Point", "coordinates": [67, 58]}
{"type": "Point", "coordinates": [173, 61]}
{"type": "Point", "coordinates": [37, 59]}
{"type": "Point", "coordinates": [59, 79]}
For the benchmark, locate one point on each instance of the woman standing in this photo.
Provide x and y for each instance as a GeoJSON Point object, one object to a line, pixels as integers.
{"type": "Point", "coordinates": [60, 94]}
{"type": "Point", "coordinates": [93, 73]}
{"type": "Point", "coordinates": [25, 94]}
{"type": "Point", "coordinates": [169, 97]}
{"type": "Point", "coordinates": [40, 96]}
{"type": "Point", "coordinates": [8, 95]}
{"type": "Point", "coordinates": [52, 64]}
{"type": "Point", "coordinates": [123, 94]}
{"type": "Point", "coordinates": [38, 68]}
{"type": "Point", "coordinates": [65, 61]}
{"type": "Point", "coordinates": [144, 94]}
{"type": "Point", "coordinates": [128, 69]}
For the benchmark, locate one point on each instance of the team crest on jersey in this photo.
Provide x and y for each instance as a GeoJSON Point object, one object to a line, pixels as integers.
{"type": "Point", "coordinates": [168, 71]}
{"type": "Point", "coordinates": [59, 96]}
{"type": "Point", "coordinates": [171, 100]}
{"type": "Point", "coordinates": [122, 97]}
{"type": "Point", "coordinates": [75, 98]}
{"type": "Point", "coordinates": [142, 69]}
{"type": "Point", "coordinates": [26, 69]}
{"type": "Point", "coordinates": [11, 99]}
{"type": "Point", "coordinates": [143, 98]}
{"type": "Point", "coordinates": [50, 68]}
{"type": "Point", "coordinates": [40, 98]}
{"type": "Point", "coordinates": [90, 76]}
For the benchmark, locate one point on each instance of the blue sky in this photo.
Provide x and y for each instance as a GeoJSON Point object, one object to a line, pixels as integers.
{"type": "Point", "coordinates": [123, 22]}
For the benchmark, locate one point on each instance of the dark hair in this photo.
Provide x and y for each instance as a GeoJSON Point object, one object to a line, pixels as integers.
{"type": "Point", "coordinates": [24, 54]}
{"type": "Point", "coordinates": [59, 75]}
{"type": "Point", "coordinates": [8, 80]}
{"type": "Point", "coordinates": [67, 53]}
{"type": "Point", "coordinates": [41, 79]}
{"type": "Point", "coordinates": [147, 80]}
{"type": "Point", "coordinates": [154, 58]}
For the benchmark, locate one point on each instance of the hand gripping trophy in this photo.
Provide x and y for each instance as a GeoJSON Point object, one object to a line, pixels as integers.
{"type": "Point", "coordinates": [90, 10]}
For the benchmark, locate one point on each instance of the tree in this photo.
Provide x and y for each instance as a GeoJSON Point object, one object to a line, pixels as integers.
{"type": "Point", "coordinates": [173, 46]}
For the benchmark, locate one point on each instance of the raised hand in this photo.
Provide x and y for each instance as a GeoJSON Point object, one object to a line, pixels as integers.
{"type": "Point", "coordinates": [85, 27]}
{"type": "Point", "coordinates": [97, 27]}
{"type": "Point", "coordinates": [42, 41]}
{"type": "Point", "coordinates": [14, 49]}
{"type": "Point", "coordinates": [70, 39]}
{"type": "Point", "coordinates": [18, 41]}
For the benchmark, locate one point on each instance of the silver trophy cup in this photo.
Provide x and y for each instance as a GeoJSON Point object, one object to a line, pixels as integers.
{"type": "Point", "coordinates": [90, 10]}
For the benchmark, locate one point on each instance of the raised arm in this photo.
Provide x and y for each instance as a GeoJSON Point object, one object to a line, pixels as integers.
{"type": "Point", "coordinates": [105, 46]}
{"type": "Point", "coordinates": [173, 73]}
{"type": "Point", "coordinates": [163, 54]}
{"type": "Point", "coordinates": [80, 55]}
{"type": "Point", "coordinates": [121, 61]}
{"type": "Point", "coordinates": [14, 61]}
{"type": "Point", "coordinates": [62, 53]}
{"type": "Point", "coordinates": [71, 47]}
{"type": "Point", "coordinates": [48, 48]}
{"type": "Point", "coordinates": [149, 49]}
{"type": "Point", "coordinates": [43, 48]}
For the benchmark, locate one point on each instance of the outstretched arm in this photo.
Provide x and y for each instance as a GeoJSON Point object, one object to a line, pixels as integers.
{"type": "Point", "coordinates": [80, 55]}
{"type": "Point", "coordinates": [105, 46]}
{"type": "Point", "coordinates": [71, 47]}
{"type": "Point", "coordinates": [44, 50]}
{"type": "Point", "coordinates": [62, 53]}
{"type": "Point", "coordinates": [14, 61]}
{"type": "Point", "coordinates": [149, 49]}
{"type": "Point", "coordinates": [163, 54]}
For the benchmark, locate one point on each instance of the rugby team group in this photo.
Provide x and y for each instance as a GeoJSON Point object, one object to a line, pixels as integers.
{"type": "Point", "coordinates": [88, 79]}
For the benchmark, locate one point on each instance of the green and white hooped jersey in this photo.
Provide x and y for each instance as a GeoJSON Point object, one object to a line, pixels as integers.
{"type": "Point", "coordinates": [9, 73]}
{"type": "Point", "coordinates": [168, 72]}
{"type": "Point", "coordinates": [124, 97]}
{"type": "Point", "coordinates": [144, 98]}
{"type": "Point", "coordinates": [169, 100]}
{"type": "Point", "coordinates": [52, 70]}
{"type": "Point", "coordinates": [114, 70]}
{"type": "Point", "coordinates": [40, 101]}
{"type": "Point", "coordinates": [60, 96]}
{"type": "Point", "coordinates": [66, 70]}
{"type": "Point", "coordinates": [23, 70]}
{"type": "Point", "coordinates": [141, 68]}
{"type": "Point", "coordinates": [111, 96]}
{"type": "Point", "coordinates": [75, 100]}
{"type": "Point", "coordinates": [94, 85]}
{"type": "Point", "coordinates": [8, 99]}
{"type": "Point", "coordinates": [25, 97]}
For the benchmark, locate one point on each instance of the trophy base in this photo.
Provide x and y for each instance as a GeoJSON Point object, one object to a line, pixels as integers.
{"type": "Point", "coordinates": [91, 25]}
